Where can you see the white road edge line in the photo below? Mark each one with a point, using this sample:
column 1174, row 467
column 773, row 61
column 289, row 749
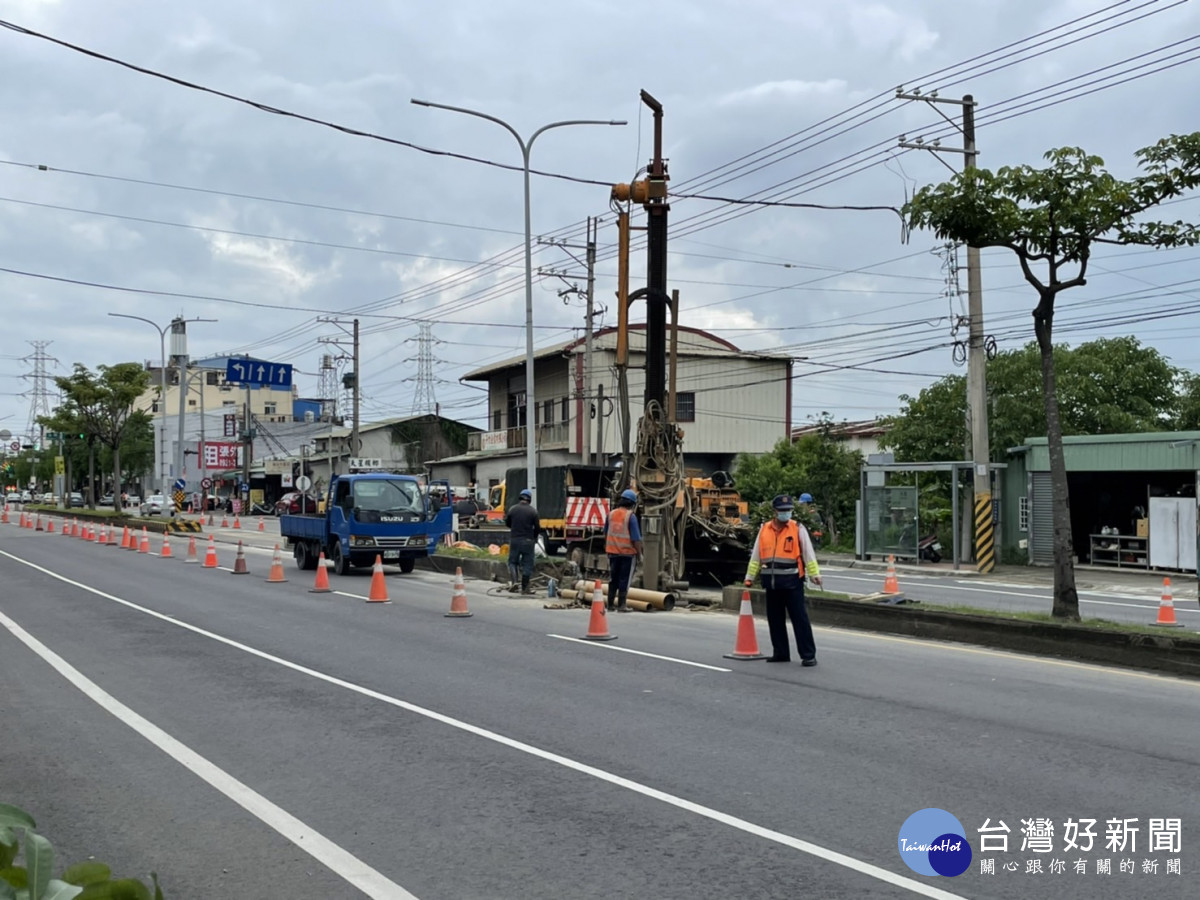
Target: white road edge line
column 778, row 837
column 682, row 662
column 341, row 862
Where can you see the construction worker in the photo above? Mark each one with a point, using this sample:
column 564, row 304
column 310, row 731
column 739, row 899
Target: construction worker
column 623, row 544
column 523, row 523
column 783, row 554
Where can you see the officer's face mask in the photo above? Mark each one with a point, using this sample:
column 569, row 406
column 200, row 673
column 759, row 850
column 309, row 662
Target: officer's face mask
column 784, row 515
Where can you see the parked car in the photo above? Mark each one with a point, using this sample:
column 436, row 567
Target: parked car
column 290, row 503
column 153, row 505
column 13, row 497
column 107, row 500
column 26, row 497
column 132, row 500
column 75, row 499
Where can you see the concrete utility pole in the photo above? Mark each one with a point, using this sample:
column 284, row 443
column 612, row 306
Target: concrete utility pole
column 985, row 537
column 355, row 442
column 179, row 355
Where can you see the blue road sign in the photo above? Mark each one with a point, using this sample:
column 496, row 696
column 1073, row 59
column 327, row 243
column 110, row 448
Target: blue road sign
column 180, row 484
column 258, row 373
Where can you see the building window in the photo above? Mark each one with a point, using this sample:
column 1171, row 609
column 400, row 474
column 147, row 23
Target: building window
column 516, row 410
column 268, row 409
column 1023, row 513
column 548, row 412
column 191, row 403
column 212, row 378
column 685, row 407
column 566, row 409
column 154, row 407
column 227, row 403
column 497, row 416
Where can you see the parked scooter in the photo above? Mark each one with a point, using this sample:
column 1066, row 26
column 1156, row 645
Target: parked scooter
column 929, row 548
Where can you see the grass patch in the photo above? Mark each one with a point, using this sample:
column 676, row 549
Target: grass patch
column 1047, row 619
column 464, row 553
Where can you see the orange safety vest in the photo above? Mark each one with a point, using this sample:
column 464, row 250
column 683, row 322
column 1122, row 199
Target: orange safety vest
column 619, row 543
column 779, row 550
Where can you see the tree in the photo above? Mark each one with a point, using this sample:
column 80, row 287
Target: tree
column 818, row 464
column 1050, row 218
column 1106, row 386
column 104, row 404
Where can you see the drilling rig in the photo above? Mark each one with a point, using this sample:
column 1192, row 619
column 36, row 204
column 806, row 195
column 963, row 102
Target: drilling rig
column 680, row 516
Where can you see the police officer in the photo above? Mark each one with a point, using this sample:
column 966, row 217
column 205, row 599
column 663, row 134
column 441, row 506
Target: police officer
column 783, row 554
column 623, row 544
column 523, row 526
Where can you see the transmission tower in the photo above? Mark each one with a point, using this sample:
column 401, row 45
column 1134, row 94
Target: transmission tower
column 39, row 395
column 330, row 387
column 424, row 398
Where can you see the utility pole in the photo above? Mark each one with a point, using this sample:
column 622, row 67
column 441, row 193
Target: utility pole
column 985, row 536
column 179, row 355
column 351, row 380
column 584, row 384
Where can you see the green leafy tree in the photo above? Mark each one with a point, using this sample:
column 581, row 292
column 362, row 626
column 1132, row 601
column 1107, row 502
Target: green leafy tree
column 818, row 464
column 104, row 402
column 1106, row 386
column 1050, row 219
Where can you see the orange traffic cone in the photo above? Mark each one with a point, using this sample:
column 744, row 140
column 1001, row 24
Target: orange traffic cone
column 322, row 583
column 746, row 644
column 4, row 515
column 890, row 584
column 191, row 551
column 378, row 593
column 165, row 553
column 261, row 526
column 1166, row 607
column 598, row 625
column 49, row 525
column 210, row 520
column 239, row 564
column 237, row 522
column 39, row 523
column 458, row 600
column 112, row 537
column 224, row 521
column 276, row 575
column 210, row 557
column 93, row 534
column 144, row 545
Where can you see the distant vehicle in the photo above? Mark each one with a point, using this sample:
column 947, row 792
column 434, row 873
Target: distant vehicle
column 49, row 497
column 75, row 499
column 132, row 500
column 26, row 497
column 13, row 497
column 290, row 504
column 107, row 500
column 153, row 505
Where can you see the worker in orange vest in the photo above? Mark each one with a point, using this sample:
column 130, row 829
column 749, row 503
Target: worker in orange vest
column 623, row 544
column 783, row 554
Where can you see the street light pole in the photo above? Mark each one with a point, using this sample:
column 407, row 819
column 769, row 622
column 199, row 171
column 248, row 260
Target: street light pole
column 160, row 436
column 526, row 147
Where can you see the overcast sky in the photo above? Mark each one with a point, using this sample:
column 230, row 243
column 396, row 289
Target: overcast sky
column 276, row 222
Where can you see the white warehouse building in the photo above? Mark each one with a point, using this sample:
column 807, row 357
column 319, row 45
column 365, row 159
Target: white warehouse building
column 728, row 401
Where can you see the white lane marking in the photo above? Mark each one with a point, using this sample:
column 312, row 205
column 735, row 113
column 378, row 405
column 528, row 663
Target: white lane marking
column 778, row 837
column 606, row 646
column 344, row 864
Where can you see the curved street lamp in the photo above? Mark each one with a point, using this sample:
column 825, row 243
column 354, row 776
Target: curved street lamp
column 526, row 146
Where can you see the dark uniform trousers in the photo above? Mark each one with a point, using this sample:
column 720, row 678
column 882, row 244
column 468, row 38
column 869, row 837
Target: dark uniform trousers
column 784, row 603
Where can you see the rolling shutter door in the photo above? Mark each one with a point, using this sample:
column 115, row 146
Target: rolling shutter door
column 1041, row 519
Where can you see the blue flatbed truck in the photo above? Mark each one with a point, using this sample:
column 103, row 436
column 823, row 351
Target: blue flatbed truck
column 368, row 514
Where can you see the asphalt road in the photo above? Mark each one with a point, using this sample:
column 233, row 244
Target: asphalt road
column 247, row 739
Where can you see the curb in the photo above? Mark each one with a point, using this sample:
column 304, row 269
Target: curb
column 1173, row 654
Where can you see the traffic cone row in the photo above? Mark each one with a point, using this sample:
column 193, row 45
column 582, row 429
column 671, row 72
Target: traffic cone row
column 378, row 592
column 458, row 600
column 1166, row 607
column 745, row 646
column 890, row 584
column 598, row 624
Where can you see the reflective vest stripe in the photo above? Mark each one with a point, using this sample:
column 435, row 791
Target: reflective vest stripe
column 619, row 543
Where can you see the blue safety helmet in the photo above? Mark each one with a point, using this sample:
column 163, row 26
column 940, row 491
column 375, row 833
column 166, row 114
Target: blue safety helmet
column 526, row 494
column 629, row 495
column 783, row 501
column 806, row 498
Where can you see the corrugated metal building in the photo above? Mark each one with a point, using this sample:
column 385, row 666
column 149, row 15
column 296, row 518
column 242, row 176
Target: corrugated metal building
column 1133, row 499
column 728, row 401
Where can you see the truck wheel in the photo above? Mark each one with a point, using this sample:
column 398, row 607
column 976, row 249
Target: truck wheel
column 304, row 558
column 407, row 564
column 341, row 563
